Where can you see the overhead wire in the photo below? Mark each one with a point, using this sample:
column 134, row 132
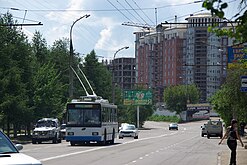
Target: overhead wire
column 142, row 11
column 136, row 12
column 129, row 12
column 119, row 10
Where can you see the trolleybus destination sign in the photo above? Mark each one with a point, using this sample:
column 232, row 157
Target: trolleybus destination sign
column 137, row 97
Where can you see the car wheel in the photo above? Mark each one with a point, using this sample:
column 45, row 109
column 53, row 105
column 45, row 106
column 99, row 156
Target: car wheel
column 72, row 143
column 34, row 141
column 208, row 136
column 54, row 140
column 113, row 137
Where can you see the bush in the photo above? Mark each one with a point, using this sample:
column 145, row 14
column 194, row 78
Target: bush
column 164, row 118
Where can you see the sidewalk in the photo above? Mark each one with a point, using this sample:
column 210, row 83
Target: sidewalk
column 224, row 156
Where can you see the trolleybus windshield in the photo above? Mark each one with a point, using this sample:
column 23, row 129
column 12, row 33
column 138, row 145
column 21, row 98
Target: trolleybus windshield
column 84, row 115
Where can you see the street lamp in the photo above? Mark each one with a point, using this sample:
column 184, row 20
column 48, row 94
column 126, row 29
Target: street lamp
column 71, row 57
column 113, row 73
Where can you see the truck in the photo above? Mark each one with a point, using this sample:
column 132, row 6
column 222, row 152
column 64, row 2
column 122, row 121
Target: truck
column 214, row 128
column 46, row 129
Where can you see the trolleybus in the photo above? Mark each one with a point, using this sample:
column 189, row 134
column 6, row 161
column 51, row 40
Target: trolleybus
column 91, row 119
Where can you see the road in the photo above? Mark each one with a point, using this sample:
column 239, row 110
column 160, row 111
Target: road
column 156, row 145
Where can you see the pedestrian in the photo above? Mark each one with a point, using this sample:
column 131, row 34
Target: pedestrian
column 242, row 126
column 232, row 137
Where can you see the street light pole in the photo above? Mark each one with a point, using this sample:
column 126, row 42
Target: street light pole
column 113, row 73
column 71, row 86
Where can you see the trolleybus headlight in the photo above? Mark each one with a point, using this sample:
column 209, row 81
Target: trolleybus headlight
column 95, row 133
column 70, row 133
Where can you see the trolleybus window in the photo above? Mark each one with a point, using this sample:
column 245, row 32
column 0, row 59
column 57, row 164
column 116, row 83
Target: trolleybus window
column 81, row 115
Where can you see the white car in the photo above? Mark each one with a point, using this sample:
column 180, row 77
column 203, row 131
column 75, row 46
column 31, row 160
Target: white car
column 173, row 126
column 9, row 153
column 128, row 130
column 204, row 130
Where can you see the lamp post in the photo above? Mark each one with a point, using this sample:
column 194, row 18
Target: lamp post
column 113, row 73
column 71, row 58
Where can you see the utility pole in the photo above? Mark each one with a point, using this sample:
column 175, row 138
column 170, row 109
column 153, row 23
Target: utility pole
column 71, row 55
column 113, row 73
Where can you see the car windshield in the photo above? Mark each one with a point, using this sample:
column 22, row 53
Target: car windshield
column 129, row 127
column 173, row 124
column 63, row 126
column 5, row 145
column 46, row 123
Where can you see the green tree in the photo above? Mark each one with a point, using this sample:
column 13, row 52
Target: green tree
column 48, row 92
column 59, row 55
column 229, row 101
column 39, row 47
column 128, row 114
column 177, row 97
column 14, row 74
column 98, row 75
column 217, row 8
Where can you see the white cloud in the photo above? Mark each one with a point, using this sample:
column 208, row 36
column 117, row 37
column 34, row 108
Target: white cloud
column 70, row 13
column 105, row 36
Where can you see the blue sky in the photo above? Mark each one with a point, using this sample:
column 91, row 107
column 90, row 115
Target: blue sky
column 103, row 30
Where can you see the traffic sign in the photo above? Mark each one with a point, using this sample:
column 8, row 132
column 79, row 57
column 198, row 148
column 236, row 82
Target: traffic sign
column 137, row 97
column 243, row 83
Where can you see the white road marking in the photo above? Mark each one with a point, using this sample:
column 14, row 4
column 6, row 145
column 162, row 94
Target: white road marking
column 99, row 148
column 173, row 145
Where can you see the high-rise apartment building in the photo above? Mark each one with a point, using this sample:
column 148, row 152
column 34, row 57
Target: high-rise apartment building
column 178, row 54
column 205, row 56
column 159, row 57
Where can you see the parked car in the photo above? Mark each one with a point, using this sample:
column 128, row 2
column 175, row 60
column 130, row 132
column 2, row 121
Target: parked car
column 9, row 153
column 173, row 126
column 203, row 130
column 128, row 130
column 63, row 131
column 46, row 129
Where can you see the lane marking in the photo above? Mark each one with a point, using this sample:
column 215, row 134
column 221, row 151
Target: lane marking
column 167, row 147
column 99, row 148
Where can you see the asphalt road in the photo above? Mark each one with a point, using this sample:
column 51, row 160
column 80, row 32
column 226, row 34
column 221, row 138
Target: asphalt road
column 156, row 146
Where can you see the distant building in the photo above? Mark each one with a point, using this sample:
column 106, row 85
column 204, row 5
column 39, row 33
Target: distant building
column 205, row 58
column 176, row 54
column 124, row 72
column 159, row 57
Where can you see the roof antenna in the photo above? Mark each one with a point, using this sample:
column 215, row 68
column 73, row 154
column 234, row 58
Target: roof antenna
column 80, row 81
column 87, row 80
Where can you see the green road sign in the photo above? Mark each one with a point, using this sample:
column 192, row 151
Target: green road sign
column 137, row 97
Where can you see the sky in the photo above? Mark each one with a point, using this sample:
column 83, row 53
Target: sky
column 102, row 31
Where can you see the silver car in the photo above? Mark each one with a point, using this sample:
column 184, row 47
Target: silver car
column 128, row 130
column 9, row 153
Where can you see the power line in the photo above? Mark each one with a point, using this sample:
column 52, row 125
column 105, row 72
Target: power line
column 136, row 12
column 119, row 10
column 129, row 12
column 106, row 10
column 142, row 11
column 30, row 24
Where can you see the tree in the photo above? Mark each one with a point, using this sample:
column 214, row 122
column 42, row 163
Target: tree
column 14, row 74
column 239, row 32
column 229, row 101
column 59, row 55
column 98, row 75
column 39, row 47
column 177, row 97
column 48, row 92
